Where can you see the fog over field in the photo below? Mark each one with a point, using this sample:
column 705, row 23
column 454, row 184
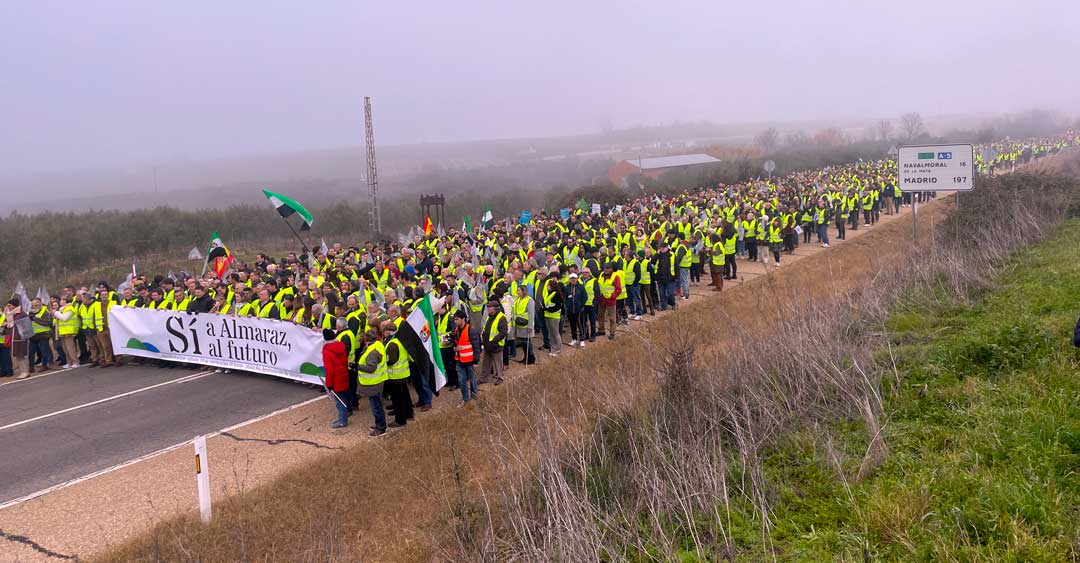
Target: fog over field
column 102, row 97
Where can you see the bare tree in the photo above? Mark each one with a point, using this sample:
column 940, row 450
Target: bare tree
column 911, row 125
column 768, row 139
column 831, row 137
column 884, row 129
column 797, row 138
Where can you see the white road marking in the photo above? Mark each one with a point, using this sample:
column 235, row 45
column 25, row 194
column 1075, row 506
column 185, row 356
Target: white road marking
column 40, row 376
column 191, row 377
column 150, row 455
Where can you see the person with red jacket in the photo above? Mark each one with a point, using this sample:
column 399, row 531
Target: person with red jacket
column 608, row 289
column 336, row 363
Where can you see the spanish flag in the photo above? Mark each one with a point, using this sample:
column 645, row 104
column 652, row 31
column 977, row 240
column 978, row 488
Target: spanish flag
column 428, row 226
column 218, row 257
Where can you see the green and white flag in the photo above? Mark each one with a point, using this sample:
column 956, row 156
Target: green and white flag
column 467, row 225
column 419, row 334
column 287, row 206
column 486, row 218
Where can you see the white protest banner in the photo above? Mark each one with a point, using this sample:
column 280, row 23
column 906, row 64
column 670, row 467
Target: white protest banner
column 268, row 346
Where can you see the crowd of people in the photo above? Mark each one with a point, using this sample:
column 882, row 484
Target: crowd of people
column 558, row 280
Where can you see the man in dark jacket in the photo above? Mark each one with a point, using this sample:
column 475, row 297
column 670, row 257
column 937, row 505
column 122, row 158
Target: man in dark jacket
column 202, row 303
column 574, row 302
column 424, row 264
column 665, row 276
column 1076, row 334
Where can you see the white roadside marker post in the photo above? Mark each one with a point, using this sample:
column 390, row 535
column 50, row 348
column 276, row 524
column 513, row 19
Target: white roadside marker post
column 202, row 478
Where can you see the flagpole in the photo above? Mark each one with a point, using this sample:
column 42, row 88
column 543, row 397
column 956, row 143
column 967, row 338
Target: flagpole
column 297, row 235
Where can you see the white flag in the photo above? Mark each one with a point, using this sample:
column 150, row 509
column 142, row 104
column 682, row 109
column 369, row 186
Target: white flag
column 20, row 292
column 323, row 248
column 194, row 254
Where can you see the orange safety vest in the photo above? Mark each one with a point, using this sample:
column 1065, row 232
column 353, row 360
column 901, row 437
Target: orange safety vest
column 463, row 352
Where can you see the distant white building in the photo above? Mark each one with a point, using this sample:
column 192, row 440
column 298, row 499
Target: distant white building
column 653, row 167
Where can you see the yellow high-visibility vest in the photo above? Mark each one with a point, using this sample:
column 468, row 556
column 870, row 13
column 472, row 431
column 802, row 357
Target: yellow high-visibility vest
column 379, row 375
column 69, row 327
column 400, row 368
column 607, row 286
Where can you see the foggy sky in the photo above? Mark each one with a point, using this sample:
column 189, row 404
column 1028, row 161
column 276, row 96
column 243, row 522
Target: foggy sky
column 114, row 83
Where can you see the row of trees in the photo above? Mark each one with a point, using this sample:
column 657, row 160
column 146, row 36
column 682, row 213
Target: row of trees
column 910, row 127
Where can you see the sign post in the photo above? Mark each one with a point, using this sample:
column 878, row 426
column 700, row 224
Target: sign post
column 934, row 168
column 202, row 478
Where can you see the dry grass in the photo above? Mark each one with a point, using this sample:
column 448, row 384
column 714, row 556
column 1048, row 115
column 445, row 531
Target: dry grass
column 701, row 396
column 660, row 481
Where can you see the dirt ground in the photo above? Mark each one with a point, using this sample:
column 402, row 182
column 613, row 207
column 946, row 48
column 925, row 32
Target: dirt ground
column 406, row 504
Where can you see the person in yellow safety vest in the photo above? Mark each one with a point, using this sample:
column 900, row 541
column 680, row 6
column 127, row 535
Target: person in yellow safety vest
column 631, row 281
column 646, row 288
column 717, row 261
column 807, row 219
column 775, row 240
column 371, row 375
column 107, row 299
column 875, row 210
column 493, row 338
column 840, row 218
column 622, row 315
column 267, row 308
column 445, row 325
column 241, row 307
column 381, row 275
column 591, row 304
column 89, row 322
column 347, row 336
column 552, row 304
column 852, row 202
column 523, row 327
column 321, row 319
column 466, row 349
column 67, row 328
column 157, row 301
column 821, row 222
column 867, row 206
column 41, row 321
column 610, row 285
column 729, row 236
column 397, row 376
column 684, row 256
column 695, row 263
column 286, row 308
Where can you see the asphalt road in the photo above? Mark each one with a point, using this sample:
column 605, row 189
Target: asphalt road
column 62, row 426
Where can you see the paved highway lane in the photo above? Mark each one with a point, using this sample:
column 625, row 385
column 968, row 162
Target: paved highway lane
column 47, row 393
column 67, row 425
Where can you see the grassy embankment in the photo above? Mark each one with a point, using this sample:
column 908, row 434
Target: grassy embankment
column 983, row 430
column 933, row 416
